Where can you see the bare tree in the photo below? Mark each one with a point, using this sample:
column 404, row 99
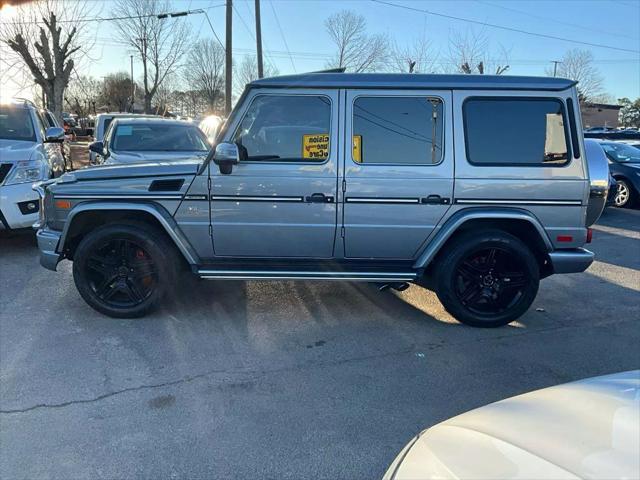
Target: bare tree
column 417, row 57
column 116, row 91
column 469, row 53
column 160, row 42
column 82, row 94
column 47, row 38
column 247, row 72
column 578, row 65
column 204, row 72
column 357, row 51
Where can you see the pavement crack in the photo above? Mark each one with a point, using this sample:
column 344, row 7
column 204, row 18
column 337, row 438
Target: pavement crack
column 187, row 379
column 190, row 378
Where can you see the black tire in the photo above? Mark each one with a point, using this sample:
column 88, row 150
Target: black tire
column 123, row 270
column 484, row 289
column 626, row 195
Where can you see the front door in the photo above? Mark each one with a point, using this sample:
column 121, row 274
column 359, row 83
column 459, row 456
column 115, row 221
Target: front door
column 280, row 200
column 398, row 174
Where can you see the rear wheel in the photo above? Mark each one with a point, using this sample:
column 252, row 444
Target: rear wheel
column 123, row 270
column 625, row 195
column 487, row 279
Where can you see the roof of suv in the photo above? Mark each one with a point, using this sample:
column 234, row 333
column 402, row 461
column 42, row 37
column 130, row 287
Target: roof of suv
column 149, row 121
column 413, row 81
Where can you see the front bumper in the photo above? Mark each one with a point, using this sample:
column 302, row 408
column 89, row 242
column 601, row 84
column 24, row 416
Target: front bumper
column 47, row 244
column 12, row 195
column 573, row 260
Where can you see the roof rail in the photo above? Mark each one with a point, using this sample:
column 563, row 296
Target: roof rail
column 26, row 101
column 331, row 70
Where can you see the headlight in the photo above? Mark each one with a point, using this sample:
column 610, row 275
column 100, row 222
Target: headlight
column 27, row 172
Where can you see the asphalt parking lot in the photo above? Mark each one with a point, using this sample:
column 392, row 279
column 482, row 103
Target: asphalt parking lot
column 281, row 379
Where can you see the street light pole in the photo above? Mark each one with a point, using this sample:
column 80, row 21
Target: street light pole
column 133, row 90
column 555, row 66
column 259, row 40
column 228, row 60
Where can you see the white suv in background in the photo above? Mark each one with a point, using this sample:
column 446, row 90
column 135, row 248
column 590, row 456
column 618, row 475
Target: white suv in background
column 29, row 153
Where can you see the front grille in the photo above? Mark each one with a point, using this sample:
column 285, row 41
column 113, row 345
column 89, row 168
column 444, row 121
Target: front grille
column 4, row 170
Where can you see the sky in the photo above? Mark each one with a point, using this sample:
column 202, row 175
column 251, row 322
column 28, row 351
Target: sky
column 295, row 39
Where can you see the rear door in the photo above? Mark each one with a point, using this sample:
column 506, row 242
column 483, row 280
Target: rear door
column 398, row 170
column 280, row 200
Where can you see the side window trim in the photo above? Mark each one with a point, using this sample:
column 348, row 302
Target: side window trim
column 272, row 162
column 426, row 97
column 558, row 100
column 574, row 130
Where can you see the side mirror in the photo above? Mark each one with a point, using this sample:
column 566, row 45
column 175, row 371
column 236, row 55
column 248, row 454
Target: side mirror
column 54, row 135
column 97, row 147
column 226, row 156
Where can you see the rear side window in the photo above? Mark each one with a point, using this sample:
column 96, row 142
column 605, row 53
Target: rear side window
column 515, row 131
column 285, row 128
column 397, row 130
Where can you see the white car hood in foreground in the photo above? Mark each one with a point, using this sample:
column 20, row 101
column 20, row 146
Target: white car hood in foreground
column 586, row 429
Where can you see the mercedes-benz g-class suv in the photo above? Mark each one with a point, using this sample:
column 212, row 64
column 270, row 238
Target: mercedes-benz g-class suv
column 474, row 186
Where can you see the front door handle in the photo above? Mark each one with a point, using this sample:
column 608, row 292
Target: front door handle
column 318, row 198
column 434, row 200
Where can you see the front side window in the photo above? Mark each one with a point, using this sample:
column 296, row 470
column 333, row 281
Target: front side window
column 397, row 130
column 158, row 138
column 515, row 131
column 16, row 124
column 285, row 128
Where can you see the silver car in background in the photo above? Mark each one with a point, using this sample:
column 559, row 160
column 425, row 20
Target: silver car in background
column 102, row 123
column 136, row 140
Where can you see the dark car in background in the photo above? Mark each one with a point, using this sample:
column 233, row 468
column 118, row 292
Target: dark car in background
column 624, row 166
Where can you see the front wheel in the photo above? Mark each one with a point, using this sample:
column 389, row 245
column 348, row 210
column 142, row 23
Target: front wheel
column 487, row 279
column 123, row 270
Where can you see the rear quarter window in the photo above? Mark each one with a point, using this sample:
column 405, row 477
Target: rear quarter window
column 509, row 131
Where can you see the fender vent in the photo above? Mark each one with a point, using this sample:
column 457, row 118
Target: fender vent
column 166, row 185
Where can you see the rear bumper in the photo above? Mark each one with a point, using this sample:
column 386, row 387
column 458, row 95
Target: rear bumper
column 47, row 244
column 573, row 260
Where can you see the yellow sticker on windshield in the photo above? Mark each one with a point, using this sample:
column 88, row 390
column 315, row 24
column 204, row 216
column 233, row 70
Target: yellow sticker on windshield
column 315, row 146
column 357, row 148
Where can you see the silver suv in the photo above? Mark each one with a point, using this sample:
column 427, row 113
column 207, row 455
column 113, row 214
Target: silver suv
column 30, row 151
column 474, row 186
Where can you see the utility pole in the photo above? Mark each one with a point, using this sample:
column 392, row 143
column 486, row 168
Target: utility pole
column 555, row 66
column 133, row 89
column 228, row 63
column 259, row 40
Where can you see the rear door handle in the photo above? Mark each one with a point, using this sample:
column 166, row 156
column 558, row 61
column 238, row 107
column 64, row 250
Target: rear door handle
column 318, row 198
column 434, row 200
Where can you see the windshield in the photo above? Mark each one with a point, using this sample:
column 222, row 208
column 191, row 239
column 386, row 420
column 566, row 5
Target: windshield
column 16, row 124
column 159, row 138
column 621, row 152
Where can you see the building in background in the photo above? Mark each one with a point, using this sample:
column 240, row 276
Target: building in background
column 600, row 115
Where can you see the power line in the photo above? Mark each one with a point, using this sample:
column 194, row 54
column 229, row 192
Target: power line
column 502, row 27
column 560, row 22
column 109, row 19
column 282, row 35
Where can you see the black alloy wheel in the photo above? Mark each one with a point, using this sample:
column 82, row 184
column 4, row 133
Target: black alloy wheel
column 123, row 270
column 490, row 281
column 121, row 273
column 487, row 278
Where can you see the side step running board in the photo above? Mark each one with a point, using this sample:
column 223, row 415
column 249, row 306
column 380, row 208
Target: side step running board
column 307, row 275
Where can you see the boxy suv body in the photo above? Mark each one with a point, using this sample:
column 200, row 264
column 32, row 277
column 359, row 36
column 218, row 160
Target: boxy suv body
column 30, row 151
column 474, row 186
